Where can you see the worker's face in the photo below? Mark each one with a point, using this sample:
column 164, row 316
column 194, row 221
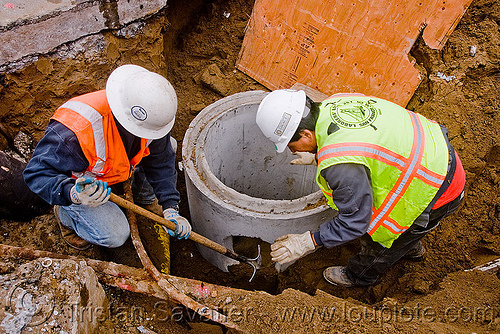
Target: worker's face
column 306, row 143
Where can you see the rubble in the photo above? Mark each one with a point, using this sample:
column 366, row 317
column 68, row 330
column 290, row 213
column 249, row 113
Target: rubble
column 51, row 295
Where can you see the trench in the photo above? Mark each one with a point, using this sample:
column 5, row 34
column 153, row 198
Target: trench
column 198, row 36
column 405, row 280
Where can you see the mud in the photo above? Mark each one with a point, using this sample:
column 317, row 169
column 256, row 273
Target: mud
column 196, row 46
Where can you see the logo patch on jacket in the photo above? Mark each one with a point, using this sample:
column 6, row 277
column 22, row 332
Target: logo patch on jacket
column 353, row 114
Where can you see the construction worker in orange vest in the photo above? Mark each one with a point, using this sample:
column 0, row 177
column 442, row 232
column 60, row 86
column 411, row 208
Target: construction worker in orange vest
column 95, row 141
column 391, row 174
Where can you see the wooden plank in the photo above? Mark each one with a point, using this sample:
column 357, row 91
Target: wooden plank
column 343, row 45
column 312, row 93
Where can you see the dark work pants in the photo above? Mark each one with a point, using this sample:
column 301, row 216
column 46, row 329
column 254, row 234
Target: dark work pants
column 374, row 259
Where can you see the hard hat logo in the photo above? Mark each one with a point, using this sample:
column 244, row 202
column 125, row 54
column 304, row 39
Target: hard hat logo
column 285, row 119
column 139, row 113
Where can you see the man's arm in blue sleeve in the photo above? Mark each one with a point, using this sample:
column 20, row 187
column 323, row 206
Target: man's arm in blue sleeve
column 159, row 167
column 57, row 154
column 352, row 194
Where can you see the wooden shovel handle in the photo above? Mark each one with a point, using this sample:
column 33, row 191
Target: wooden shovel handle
column 162, row 221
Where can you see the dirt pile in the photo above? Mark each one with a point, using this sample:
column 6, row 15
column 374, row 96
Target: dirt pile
column 199, row 44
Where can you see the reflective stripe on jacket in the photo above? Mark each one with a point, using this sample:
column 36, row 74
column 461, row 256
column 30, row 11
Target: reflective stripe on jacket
column 406, row 153
column 89, row 117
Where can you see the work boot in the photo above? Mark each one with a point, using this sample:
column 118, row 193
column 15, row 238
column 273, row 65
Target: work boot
column 70, row 236
column 154, row 207
column 337, row 275
column 416, row 253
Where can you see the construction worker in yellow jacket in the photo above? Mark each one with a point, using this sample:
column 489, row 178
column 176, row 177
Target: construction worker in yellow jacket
column 391, row 174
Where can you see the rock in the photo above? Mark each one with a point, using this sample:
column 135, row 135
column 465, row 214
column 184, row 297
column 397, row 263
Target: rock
column 388, row 302
column 24, row 144
column 42, row 26
column 213, row 78
column 421, row 286
column 195, row 109
column 52, row 295
column 45, row 66
column 17, row 201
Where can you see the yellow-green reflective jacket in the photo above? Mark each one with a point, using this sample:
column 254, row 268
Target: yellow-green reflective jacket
column 406, row 154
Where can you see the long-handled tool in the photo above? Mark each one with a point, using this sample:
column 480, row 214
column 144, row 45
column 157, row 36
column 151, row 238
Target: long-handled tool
column 255, row 262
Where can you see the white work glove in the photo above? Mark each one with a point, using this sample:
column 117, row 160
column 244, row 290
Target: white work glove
column 305, row 158
column 292, row 247
column 183, row 229
column 90, row 192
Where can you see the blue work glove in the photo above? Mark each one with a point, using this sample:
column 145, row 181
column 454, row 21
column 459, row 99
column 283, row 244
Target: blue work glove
column 90, row 192
column 183, row 229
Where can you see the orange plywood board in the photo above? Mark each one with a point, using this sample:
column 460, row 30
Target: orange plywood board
column 344, row 46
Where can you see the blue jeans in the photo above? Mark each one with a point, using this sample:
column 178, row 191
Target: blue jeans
column 142, row 190
column 105, row 225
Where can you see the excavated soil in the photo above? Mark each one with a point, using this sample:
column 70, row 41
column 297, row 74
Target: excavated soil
column 460, row 89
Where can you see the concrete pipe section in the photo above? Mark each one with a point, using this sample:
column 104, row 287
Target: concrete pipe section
column 238, row 186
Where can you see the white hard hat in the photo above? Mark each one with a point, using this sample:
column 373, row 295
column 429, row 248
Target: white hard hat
column 143, row 102
column 279, row 115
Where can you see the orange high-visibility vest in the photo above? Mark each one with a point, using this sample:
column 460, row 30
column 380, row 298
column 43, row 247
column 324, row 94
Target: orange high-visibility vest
column 89, row 117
